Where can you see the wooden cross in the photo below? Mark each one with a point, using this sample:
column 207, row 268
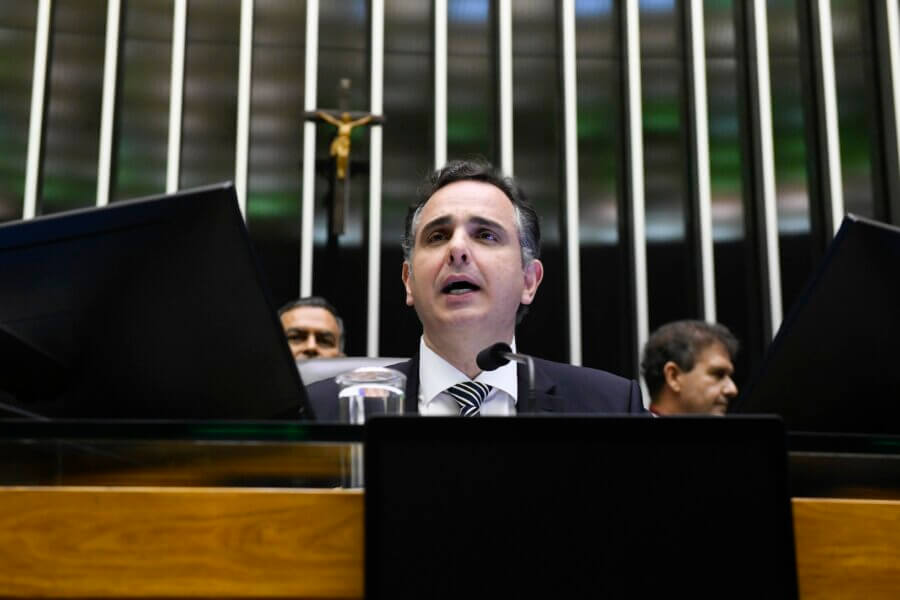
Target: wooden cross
column 344, row 121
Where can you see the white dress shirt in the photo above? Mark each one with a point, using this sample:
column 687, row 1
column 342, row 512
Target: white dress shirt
column 436, row 375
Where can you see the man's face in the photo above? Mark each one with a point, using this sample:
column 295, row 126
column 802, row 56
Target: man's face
column 707, row 387
column 466, row 266
column 311, row 332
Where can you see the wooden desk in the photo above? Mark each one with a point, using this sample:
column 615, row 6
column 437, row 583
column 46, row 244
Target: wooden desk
column 133, row 542
column 847, row 548
column 113, row 542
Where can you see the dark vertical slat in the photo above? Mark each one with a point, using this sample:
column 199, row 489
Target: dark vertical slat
column 537, row 142
column 408, row 152
column 752, row 178
column 814, row 128
column 629, row 325
column 885, row 155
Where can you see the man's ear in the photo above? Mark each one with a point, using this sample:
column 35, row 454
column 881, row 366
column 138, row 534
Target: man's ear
column 671, row 373
column 405, row 275
column 534, row 273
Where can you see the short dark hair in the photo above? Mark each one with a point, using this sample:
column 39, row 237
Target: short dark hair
column 527, row 223
column 681, row 342
column 317, row 302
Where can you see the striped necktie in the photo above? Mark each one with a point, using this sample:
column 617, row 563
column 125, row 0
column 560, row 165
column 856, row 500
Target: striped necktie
column 469, row 395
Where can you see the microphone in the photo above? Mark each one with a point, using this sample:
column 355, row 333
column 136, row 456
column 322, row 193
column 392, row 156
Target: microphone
column 499, row 354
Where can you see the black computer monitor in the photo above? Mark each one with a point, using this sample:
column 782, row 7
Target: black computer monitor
column 149, row 308
column 833, row 365
column 569, row 507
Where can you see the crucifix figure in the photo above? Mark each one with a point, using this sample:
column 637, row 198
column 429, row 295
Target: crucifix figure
column 344, row 122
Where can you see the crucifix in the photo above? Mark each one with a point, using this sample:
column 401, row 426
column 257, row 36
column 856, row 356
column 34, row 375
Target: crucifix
column 344, row 121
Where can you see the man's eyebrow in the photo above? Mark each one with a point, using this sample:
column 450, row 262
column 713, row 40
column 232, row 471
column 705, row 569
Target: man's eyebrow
column 487, row 222
column 308, row 329
column 447, row 220
column 436, row 222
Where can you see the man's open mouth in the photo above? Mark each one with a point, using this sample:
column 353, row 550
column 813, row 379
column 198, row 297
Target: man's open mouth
column 459, row 287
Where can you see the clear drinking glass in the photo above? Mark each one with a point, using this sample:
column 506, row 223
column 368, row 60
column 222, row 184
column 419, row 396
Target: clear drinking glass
column 369, row 391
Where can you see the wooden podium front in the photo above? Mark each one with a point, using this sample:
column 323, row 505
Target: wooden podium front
column 155, row 542
column 137, row 517
column 96, row 542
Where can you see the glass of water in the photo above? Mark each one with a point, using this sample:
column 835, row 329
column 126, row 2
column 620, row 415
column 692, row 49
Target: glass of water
column 369, row 391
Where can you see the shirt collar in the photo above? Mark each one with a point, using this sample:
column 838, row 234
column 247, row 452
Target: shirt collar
column 441, row 374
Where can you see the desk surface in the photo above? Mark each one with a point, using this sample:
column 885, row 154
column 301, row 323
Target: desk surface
column 303, row 455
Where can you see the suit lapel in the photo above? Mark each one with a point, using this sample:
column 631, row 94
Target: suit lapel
column 411, row 367
column 547, row 394
column 545, row 399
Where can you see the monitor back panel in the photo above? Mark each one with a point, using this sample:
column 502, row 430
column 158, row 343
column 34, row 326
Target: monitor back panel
column 832, row 367
column 152, row 308
column 593, row 507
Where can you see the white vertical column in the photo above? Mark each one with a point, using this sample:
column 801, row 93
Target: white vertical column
column 636, row 171
column 38, row 97
column 309, row 147
column 760, row 42
column 107, row 111
column 440, row 83
column 701, row 157
column 375, row 165
column 893, row 29
column 829, row 104
column 176, row 95
column 245, row 77
column 570, row 133
column 506, row 77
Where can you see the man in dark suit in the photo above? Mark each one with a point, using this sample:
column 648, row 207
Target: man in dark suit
column 470, row 270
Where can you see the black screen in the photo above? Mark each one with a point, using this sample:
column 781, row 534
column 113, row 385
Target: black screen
column 832, row 367
column 564, row 507
column 151, row 308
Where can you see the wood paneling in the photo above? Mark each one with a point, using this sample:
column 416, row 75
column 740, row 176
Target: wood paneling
column 105, row 542
column 847, row 548
column 177, row 542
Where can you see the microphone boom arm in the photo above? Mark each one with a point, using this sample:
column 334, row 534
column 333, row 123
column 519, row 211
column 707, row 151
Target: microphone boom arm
column 523, row 359
column 498, row 355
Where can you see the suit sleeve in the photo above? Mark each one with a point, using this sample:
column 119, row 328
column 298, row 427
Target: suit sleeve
column 322, row 397
column 635, row 398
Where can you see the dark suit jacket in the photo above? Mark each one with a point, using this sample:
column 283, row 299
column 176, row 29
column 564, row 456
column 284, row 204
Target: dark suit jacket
column 558, row 388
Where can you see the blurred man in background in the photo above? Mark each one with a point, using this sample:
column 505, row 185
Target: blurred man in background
column 313, row 328
column 688, row 367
